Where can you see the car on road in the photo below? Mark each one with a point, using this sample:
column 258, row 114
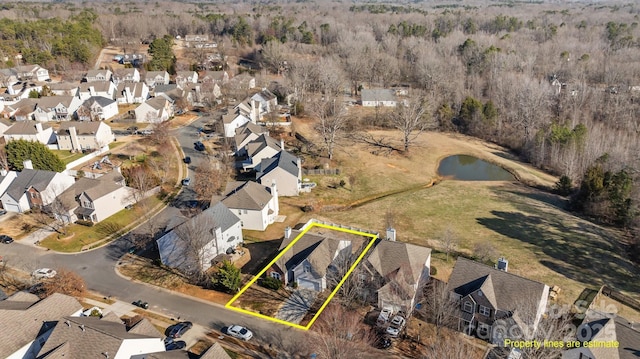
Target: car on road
column 176, row 331
column 198, row 146
column 187, row 160
column 141, row 304
column 177, row 345
column 383, row 342
column 186, row 181
column 43, row 273
column 397, row 323
column 5, row 239
column 239, row 332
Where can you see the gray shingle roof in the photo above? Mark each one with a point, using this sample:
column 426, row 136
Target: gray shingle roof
column 101, row 100
column 282, row 159
column 263, row 141
column 605, row 327
column 82, row 127
column 86, row 337
column 93, row 188
column 510, row 291
column 24, row 128
column 216, row 351
column 21, row 326
column 97, row 86
column 390, row 257
column 26, row 178
column 247, row 195
column 378, row 95
column 53, row 101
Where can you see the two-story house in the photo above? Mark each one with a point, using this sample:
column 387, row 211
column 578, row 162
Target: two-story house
column 256, row 205
column 284, row 169
column 30, row 131
column 81, row 135
column 93, row 199
column 125, row 75
column 153, row 78
column 97, row 88
column 261, row 148
column 198, row 240
column 99, row 75
column 494, row 304
column 184, row 77
column 97, row 108
column 132, row 92
column 155, row 110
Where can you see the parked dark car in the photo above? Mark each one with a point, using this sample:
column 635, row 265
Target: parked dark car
column 187, row 160
column 383, row 342
column 180, row 344
column 6, row 239
column 177, row 330
column 141, row 304
column 3, row 212
column 199, row 146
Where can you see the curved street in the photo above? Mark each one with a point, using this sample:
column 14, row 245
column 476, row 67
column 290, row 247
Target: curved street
column 97, row 267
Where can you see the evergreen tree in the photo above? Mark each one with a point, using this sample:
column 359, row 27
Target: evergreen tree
column 41, row 157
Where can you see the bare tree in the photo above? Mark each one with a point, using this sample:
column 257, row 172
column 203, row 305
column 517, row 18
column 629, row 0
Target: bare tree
column 140, row 178
column 273, row 55
column 65, row 282
column 4, row 162
column 484, row 251
column 411, row 118
column 438, row 307
column 341, row 333
column 332, row 117
column 160, row 133
column 198, row 241
column 451, row 345
column 210, row 179
column 450, row 240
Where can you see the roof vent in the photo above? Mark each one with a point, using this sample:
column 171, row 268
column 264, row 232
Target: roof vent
column 68, row 323
column 106, row 355
column 82, row 327
column 503, row 264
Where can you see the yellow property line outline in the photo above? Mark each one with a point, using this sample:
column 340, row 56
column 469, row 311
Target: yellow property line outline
column 333, row 293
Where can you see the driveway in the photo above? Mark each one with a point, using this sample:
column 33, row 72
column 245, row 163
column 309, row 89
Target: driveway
column 297, row 305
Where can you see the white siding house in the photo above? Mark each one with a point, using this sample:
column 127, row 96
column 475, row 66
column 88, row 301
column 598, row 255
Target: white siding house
column 80, row 135
column 255, row 205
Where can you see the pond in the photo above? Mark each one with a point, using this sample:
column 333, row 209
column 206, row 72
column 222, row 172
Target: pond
column 469, row 168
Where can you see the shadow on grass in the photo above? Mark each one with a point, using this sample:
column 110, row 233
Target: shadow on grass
column 261, row 254
column 580, row 251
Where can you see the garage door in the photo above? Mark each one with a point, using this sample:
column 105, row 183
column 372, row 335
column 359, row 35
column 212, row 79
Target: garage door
column 307, row 284
column 11, row 207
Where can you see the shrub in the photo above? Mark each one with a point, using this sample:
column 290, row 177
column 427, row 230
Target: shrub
column 564, row 186
column 271, row 283
column 434, row 270
column 85, row 223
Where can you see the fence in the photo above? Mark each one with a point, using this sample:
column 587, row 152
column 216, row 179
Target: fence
column 321, row 171
column 313, row 220
column 86, row 158
column 622, row 298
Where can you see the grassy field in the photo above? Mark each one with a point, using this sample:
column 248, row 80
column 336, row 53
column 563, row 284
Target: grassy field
column 67, row 156
column 528, row 226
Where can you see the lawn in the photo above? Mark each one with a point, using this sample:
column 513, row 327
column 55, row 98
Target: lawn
column 530, row 227
column 67, row 156
column 78, row 236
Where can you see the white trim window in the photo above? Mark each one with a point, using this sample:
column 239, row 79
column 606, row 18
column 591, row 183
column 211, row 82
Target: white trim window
column 467, row 307
column 484, row 311
column 276, row 275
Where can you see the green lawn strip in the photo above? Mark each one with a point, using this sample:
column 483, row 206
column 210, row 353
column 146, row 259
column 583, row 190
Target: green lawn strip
column 541, row 241
column 67, row 156
column 78, row 236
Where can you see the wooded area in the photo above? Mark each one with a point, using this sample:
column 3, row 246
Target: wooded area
column 558, row 83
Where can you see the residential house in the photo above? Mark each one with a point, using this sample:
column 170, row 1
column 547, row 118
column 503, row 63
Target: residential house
column 243, row 81
column 196, row 38
column 179, row 98
column 399, row 270
column 132, row 92
column 232, row 121
column 215, row 351
column 284, row 169
column 34, row 189
column 100, row 75
column 153, row 78
column 93, row 200
column 80, row 135
column 245, row 134
column 268, row 101
column 23, row 73
column 218, row 77
column 184, row 77
column 256, row 205
column 64, row 88
column 6, row 177
column 106, row 337
column 4, row 123
column 26, row 322
column 495, row 304
column 56, row 108
column 98, row 88
column 126, row 75
column 30, row 131
column 311, row 259
column 619, row 338
column 198, row 240
column 24, row 89
column 157, row 109
column 378, row 98
column 252, row 109
column 255, row 151
column 97, row 108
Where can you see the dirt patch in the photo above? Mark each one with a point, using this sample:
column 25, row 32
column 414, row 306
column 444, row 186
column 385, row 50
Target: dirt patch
column 17, row 225
column 262, row 300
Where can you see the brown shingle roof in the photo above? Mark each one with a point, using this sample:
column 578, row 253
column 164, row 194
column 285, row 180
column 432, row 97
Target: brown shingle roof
column 216, row 351
column 24, row 128
column 82, row 127
column 389, row 257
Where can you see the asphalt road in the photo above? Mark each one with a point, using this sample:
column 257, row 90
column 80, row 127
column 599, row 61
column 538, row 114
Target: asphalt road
column 97, row 267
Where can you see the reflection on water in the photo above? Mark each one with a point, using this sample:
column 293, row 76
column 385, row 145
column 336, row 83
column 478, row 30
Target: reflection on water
column 469, row 168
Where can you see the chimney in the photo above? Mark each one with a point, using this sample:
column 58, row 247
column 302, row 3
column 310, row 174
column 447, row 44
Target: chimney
column 503, row 264
column 287, row 232
column 38, row 127
column 27, row 164
column 106, row 355
column 73, row 134
column 282, row 144
column 3, row 172
column 391, row 234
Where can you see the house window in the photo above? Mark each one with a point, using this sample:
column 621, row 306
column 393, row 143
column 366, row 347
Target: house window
column 231, row 239
column 483, row 330
column 468, row 307
column 307, row 268
column 275, row 275
column 484, row 311
column 34, row 195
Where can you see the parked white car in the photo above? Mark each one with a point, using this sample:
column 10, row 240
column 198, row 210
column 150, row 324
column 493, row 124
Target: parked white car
column 239, row 332
column 397, row 323
column 384, row 316
column 44, row 273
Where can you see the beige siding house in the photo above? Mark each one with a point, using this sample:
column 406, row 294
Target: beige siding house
column 155, row 110
column 79, row 135
column 255, row 204
column 284, row 169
